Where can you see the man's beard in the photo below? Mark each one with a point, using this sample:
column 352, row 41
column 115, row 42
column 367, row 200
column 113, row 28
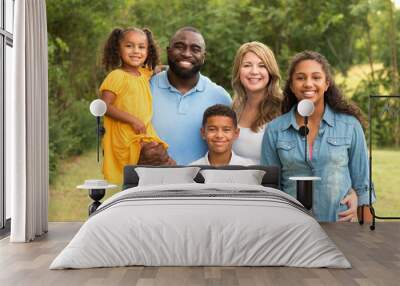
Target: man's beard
column 184, row 73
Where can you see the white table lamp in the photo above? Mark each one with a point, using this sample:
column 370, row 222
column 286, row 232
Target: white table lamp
column 98, row 108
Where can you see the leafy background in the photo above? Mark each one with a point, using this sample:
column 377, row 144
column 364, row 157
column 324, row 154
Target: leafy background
column 359, row 38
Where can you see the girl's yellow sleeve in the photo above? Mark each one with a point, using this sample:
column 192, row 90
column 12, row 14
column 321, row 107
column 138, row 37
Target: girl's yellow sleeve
column 113, row 82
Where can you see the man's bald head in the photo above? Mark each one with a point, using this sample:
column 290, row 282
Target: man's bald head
column 188, row 29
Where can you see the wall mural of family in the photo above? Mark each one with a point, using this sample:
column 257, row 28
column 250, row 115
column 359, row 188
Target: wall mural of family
column 174, row 115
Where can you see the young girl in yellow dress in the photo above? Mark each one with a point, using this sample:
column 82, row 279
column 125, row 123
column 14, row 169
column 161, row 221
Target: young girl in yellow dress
column 132, row 55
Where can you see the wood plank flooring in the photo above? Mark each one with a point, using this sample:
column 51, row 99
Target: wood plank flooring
column 374, row 255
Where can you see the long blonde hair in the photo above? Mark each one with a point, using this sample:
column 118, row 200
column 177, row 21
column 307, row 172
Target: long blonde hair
column 270, row 106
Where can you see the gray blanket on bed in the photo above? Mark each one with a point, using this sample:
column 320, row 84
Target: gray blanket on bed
column 201, row 224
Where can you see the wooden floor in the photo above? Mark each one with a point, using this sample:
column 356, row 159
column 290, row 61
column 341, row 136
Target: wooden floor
column 374, row 255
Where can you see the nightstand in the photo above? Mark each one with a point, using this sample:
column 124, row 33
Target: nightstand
column 97, row 190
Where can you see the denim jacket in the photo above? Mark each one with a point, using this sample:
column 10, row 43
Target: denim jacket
column 339, row 158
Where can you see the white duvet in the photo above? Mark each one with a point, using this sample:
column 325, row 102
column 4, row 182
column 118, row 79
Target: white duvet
column 200, row 224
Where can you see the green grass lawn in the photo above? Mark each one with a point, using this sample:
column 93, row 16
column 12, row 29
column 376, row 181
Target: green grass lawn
column 354, row 76
column 70, row 204
column 386, row 178
column 67, row 203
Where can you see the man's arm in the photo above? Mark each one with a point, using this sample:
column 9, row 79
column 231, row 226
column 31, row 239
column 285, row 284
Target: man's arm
column 154, row 154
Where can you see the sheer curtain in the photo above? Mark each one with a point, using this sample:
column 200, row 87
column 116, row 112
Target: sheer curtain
column 27, row 120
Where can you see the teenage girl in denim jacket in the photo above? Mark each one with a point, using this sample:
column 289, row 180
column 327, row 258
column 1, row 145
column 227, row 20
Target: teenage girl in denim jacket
column 337, row 150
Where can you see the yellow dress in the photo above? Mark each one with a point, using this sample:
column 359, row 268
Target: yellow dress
column 121, row 144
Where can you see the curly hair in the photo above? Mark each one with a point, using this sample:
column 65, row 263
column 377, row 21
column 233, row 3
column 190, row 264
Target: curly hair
column 111, row 57
column 270, row 106
column 332, row 96
column 153, row 58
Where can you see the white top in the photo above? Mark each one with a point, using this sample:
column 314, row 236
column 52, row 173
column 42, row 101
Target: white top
column 235, row 160
column 248, row 144
column 96, row 185
column 305, row 178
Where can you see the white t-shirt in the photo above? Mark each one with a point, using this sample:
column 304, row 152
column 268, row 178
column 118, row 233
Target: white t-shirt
column 235, row 160
column 248, row 145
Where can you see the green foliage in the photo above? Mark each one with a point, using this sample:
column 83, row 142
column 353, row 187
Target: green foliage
column 286, row 26
column 76, row 30
column 70, row 132
column 346, row 32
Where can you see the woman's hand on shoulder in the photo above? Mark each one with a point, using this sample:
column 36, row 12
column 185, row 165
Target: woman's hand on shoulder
column 160, row 68
column 351, row 201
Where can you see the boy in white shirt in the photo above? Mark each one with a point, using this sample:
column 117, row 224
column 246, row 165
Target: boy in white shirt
column 220, row 130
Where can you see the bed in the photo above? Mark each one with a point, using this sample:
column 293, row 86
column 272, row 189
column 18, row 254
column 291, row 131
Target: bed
column 218, row 218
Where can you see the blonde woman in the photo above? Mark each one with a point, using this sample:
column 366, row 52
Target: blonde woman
column 257, row 96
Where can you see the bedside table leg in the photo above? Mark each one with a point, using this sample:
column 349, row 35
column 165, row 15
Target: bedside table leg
column 93, row 207
column 96, row 195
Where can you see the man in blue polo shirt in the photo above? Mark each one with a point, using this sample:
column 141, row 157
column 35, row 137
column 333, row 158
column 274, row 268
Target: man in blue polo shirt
column 180, row 96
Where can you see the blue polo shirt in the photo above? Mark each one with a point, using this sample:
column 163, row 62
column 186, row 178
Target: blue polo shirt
column 177, row 117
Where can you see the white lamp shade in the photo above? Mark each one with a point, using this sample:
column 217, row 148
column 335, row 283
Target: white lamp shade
column 98, row 107
column 305, row 107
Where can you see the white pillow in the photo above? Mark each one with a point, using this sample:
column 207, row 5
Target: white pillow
column 249, row 177
column 164, row 176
